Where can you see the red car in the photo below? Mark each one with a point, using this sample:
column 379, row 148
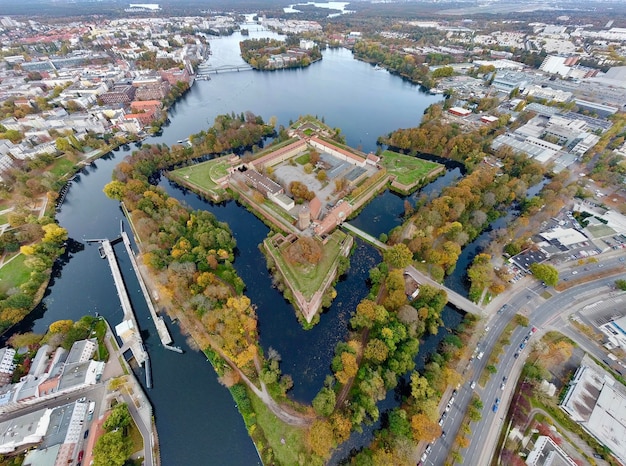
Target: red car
column 80, row 456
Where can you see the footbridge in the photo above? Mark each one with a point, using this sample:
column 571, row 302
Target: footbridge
column 364, row 236
column 454, row 298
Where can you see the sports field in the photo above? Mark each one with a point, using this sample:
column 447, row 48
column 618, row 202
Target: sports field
column 406, row 168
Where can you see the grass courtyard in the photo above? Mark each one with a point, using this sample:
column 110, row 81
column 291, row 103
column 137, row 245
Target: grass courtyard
column 308, row 278
column 204, row 175
column 407, row 169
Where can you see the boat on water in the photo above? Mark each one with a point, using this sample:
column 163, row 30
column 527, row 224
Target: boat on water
column 378, row 68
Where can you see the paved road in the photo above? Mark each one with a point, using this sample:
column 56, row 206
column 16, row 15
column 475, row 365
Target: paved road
column 526, row 299
column 541, row 316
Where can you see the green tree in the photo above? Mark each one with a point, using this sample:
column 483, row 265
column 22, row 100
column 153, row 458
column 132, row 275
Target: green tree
column 546, row 273
column 119, row 418
column 399, row 256
column 324, row 402
column 621, row 284
column 112, row 449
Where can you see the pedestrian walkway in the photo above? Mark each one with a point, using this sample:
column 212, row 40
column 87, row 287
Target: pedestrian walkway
column 364, row 236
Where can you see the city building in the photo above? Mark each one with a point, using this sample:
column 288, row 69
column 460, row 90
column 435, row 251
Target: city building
column 120, row 94
column 597, row 401
column 175, row 75
column 7, row 365
column 547, row 453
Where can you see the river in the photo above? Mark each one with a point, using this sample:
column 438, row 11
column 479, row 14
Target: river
column 196, row 419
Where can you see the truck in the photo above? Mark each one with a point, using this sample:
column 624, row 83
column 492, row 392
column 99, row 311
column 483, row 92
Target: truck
column 90, row 410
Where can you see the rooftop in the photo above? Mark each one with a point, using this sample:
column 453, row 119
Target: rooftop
column 598, row 402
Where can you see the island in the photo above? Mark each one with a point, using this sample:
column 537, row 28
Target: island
column 304, row 188
column 273, row 54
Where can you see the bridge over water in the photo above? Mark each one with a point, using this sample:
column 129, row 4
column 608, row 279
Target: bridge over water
column 364, row 236
column 454, row 298
column 204, row 70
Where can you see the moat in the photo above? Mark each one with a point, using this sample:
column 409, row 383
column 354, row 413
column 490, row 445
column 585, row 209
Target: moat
column 338, row 88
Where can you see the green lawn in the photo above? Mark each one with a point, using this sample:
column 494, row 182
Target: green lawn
column 407, row 169
column 286, row 441
column 60, row 167
column 4, row 218
column 303, row 159
column 308, row 278
column 135, row 437
column 203, row 175
column 14, row 273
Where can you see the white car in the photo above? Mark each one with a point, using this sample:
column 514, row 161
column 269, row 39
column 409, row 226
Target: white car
column 473, row 384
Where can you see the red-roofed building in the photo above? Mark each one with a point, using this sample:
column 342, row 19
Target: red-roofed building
column 144, row 118
column 335, row 217
column 137, row 105
column 315, row 206
column 174, row 75
column 458, row 111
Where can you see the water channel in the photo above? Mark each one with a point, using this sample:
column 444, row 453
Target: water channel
column 196, row 419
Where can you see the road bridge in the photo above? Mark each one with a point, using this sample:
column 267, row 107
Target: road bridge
column 204, row 70
column 454, row 298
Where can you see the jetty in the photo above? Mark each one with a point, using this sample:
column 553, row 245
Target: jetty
column 127, row 330
column 159, row 323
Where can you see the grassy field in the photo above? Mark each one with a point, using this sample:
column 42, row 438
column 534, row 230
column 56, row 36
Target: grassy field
column 203, row 175
column 4, row 218
column 308, row 278
column 14, row 273
column 60, row 167
column 407, row 169
column 286, row 441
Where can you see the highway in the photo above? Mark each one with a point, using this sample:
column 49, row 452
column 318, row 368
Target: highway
column 542, row 313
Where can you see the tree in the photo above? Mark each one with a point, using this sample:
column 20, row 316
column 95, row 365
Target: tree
column 54, row 234
column 324, row 402
column 349, row 367
column 119, row 418
column 61, row 326
column 424, row 428
column 115, row 190
column 112, row 449
column 321, row 438
column 376, row 351
column 399, row 256
column 546, row 273
column 620, row 284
